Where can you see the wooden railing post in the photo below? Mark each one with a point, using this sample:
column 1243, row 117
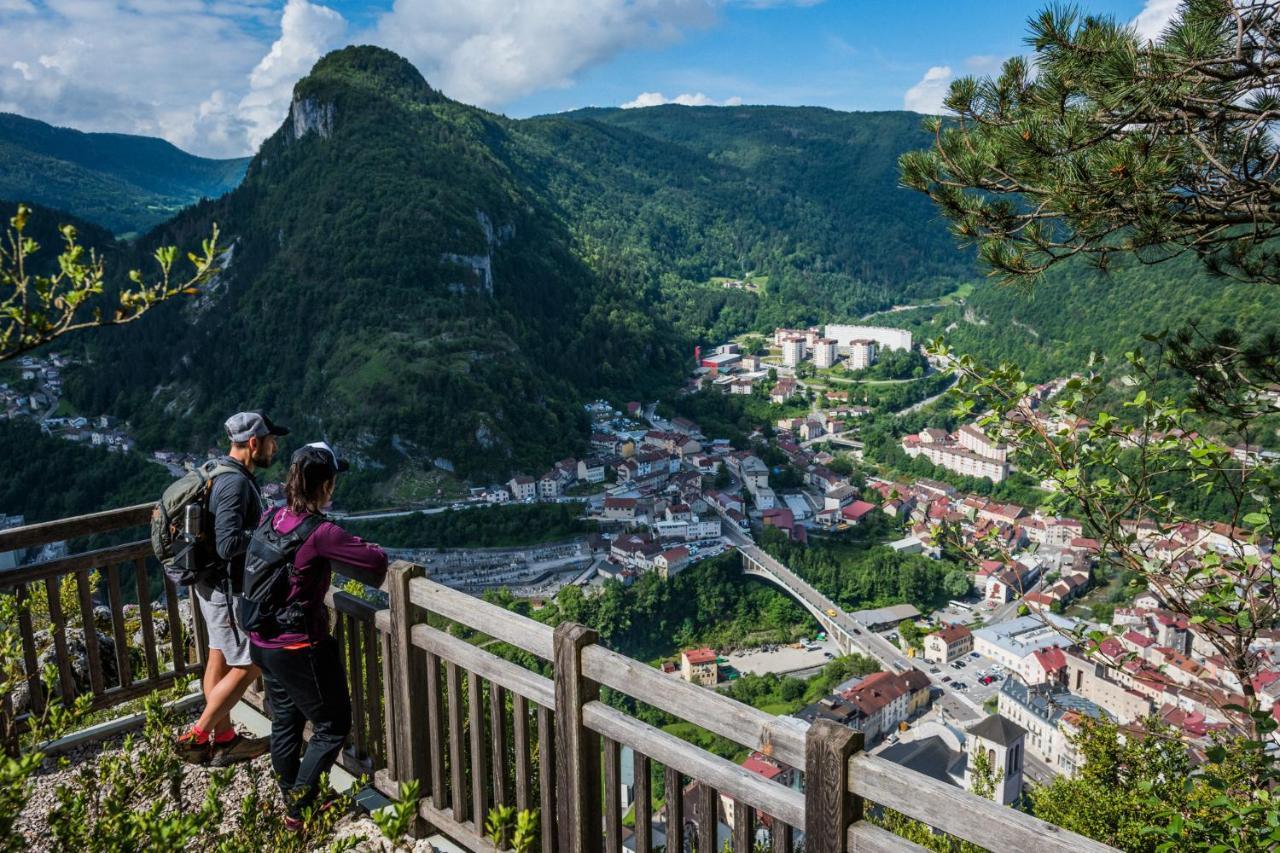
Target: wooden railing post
column 829, row 807
column 578, row 794
column 406, row 707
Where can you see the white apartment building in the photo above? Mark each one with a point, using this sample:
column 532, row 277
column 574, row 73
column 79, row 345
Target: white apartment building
column 962, row 461
column 793, row 351
column 972, row 438
column 887, row 338
column 825, row 353
column 862, row 354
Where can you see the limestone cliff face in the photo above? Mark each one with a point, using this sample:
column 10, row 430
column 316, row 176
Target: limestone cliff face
column 481, row 266
column 307, row 115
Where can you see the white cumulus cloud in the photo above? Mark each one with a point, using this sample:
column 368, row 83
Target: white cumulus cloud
column 1154, row 17
column 307, row 32
column 656, row 99
column 490, row 52
column 927, row 95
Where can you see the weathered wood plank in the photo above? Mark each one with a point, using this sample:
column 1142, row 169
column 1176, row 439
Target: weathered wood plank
column 435, row 733
column 644, row 802
column 780, row 837
column 498, row 743
column 58, row 628
column 479, row 751
column 868, row 838
column 140, row 581
column 75, row 562
column 116, row 599
column 200, row 632
column 45, row 532
column 177, row 642
column 675, row 809
column 93, row 655
column 612, row 796
column 960, row 813
column 474, row 659
column 725, row 776
column 500, row 623
column 35, row 685
column 355, row 677
column 779, row 737
column 829, row 807
column 743, row 828
column 578, row 748
column 520, row 747
column 373, row 641
column 547, row 778
column 458, row 801
column 708, row 815
column 408, row 672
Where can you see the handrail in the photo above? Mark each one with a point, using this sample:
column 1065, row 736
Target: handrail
column 520, row 631
column 959, row 812
column 75, row 563
column 754, row 790
column 45, row 532
column 780, row 738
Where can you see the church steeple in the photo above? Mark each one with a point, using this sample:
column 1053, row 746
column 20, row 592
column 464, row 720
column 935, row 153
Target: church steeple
column 1001, row 741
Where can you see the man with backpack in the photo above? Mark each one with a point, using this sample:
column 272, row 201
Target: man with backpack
column 234, row 506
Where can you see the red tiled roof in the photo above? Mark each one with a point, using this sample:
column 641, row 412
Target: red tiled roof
column 758, row 764
column 1138, row 639
column 700, row 656
column 857, row 510
column 952, row 633
column 1051, row 659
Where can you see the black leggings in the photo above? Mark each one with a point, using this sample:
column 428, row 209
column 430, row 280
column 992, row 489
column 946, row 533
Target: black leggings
column 305, row 685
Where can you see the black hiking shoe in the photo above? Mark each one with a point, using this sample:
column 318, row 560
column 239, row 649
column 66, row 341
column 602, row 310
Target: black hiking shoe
column 193, row 751
column 238, row 749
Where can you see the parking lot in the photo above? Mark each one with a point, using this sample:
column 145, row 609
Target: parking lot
column 969, row 674
column 783, row 659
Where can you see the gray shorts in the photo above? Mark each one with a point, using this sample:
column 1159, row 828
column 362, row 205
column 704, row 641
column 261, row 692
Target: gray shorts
column 217, row 613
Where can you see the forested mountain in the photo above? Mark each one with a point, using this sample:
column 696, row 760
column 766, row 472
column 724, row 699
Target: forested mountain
column 124, row 183
column 410, row 274
column 1076, row 310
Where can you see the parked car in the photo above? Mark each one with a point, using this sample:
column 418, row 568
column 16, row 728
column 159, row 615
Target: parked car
column 960, row 685
column 945, row 679
column 974, row 655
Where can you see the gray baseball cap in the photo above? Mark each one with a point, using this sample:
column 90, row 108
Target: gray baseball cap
column 243, row 426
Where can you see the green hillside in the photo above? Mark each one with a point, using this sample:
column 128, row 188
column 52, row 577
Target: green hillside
column 127, row 184
column 392, row 283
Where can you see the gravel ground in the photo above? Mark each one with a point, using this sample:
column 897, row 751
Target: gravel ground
column 32, row 821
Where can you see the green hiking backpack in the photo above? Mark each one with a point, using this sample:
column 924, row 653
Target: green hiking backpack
column 180, row 522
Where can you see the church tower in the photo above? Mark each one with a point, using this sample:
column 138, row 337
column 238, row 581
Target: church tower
column 1001, row 740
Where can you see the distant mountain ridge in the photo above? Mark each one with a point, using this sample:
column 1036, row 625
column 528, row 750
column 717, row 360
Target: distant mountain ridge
column 127, row 184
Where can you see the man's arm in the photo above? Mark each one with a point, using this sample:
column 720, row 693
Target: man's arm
column 231, row 502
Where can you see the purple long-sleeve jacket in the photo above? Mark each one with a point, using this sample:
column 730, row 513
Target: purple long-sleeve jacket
column 329, row 548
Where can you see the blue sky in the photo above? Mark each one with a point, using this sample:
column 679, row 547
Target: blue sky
column 215, row 76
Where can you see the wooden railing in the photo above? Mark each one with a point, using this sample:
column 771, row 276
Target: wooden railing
column 432, row 703
column 141, row 661
column 138, row 661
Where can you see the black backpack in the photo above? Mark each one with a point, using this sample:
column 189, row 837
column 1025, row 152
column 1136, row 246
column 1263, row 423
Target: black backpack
column 268, row 564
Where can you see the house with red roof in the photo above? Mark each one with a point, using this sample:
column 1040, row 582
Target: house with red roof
column 698, row 666
column 1044, row 666
column 855, row 512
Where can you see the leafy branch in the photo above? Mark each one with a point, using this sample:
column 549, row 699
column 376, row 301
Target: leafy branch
column 36, row 309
